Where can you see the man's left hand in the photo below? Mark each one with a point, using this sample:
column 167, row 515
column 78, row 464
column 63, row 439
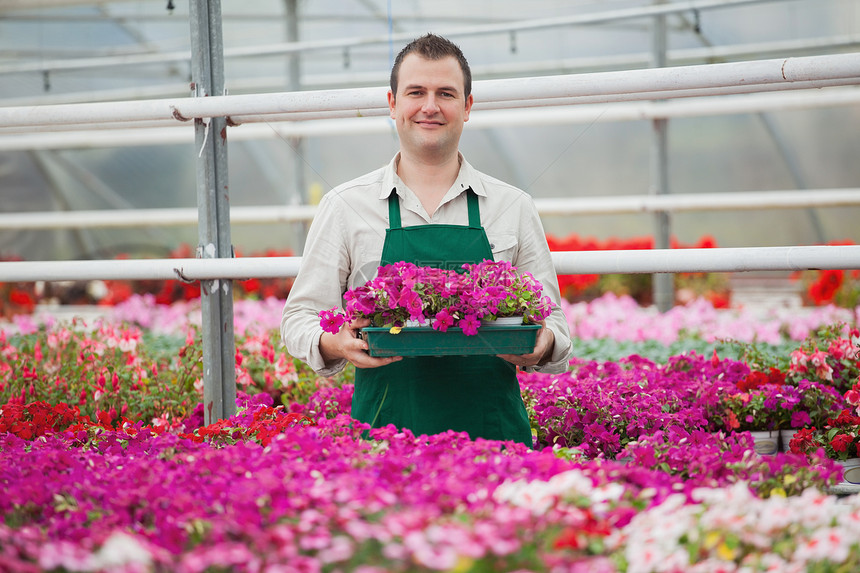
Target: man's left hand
column 542, row 353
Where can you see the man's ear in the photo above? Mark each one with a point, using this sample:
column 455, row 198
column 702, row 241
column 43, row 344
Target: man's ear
column 469, row 101
column 391, row 104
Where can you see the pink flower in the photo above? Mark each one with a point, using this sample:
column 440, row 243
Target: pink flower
column 822, row 369
column 843, row 349
column 852, row 396
column 469, row 324
column 331, row 320
column 800, row 419
column 798, row 362
column 412, row 302
column 443, row 321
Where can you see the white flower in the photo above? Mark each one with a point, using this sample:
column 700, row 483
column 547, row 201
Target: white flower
column 831, row 543
column 119, row 550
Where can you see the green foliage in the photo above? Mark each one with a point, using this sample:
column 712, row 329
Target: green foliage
column 109, row 370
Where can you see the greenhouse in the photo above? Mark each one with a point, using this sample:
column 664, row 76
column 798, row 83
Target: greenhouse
column 691, row 166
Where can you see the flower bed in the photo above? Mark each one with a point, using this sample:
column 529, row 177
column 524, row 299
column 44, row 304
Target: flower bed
column 105, row 466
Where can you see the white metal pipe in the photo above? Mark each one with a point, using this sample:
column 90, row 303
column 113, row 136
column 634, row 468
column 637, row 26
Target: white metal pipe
column 346, row 79
column 569, row 262
column 480, row 106
column 155, row 269
column 115, row 135
column 708, row 260
column 783, row 72
column 122, row 218
column 382, row 110
column 656, row 80
column 381, row 39
column 676, row 203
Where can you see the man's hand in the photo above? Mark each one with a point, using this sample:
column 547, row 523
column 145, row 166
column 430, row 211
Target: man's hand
column 542, row 353
column 346, row 344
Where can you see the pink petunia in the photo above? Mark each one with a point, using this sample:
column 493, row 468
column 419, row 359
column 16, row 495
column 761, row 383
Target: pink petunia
column 469, row 324
column 331, row 321
column 443, row 321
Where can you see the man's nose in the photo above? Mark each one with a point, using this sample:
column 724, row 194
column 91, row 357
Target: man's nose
column 431, row 105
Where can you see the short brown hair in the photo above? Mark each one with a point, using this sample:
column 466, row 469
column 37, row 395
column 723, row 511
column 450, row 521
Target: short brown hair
column 432, row 47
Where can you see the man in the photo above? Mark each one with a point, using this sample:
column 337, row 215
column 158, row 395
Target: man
column 427, row 204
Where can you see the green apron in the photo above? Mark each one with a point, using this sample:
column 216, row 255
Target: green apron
column 432, row 394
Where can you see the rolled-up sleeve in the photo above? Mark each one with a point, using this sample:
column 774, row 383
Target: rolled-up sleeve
column 534, row 256
column 320, row 285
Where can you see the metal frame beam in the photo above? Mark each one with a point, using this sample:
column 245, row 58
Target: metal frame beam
column 213, row 204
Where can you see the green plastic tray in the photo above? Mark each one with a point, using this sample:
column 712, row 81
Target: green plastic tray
column 424, row 341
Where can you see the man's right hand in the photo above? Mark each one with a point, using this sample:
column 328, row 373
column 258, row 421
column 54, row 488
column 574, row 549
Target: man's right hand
column 346, row 344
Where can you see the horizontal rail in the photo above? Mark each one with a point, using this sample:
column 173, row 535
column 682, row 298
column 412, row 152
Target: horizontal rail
column 568, row 262
column 120, row 218
column 739, row 259
column 674, row 57
column 151, row 269
column 673, row 203
column 688, row 81
column 163, row 132
column 285, row 48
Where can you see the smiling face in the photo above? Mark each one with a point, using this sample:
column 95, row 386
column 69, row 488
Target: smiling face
column 430, row 106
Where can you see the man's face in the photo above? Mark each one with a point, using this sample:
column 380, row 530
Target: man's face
column 430, row 106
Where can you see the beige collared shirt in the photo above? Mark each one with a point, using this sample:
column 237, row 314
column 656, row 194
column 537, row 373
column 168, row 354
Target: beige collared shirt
column 344, row 248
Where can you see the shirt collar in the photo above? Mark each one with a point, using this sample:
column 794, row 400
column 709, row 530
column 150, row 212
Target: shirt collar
column 467, row 177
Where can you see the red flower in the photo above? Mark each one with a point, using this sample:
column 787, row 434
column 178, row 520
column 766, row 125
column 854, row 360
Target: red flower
column 22, row 298
column 845, row 418
column 840, row 442
column 803, row 441
column 776, row 376
column 577, row 538
column 824, row 289
column 732, row 420
column 752, row 381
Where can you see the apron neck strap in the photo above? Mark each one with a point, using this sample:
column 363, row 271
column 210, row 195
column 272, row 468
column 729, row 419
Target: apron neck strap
column 471, row 202
column 393, row 210
column 474, row 211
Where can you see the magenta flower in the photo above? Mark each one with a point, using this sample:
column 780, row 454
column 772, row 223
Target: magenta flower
column 331, row 320
column 412, row 303
column 404, row 291
column 469, row 324
column 443, row 321
column 800, row 419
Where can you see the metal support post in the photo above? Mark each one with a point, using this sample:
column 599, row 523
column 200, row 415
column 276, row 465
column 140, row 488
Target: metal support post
column 297, row 142
column 213, row 213
column 662, row 285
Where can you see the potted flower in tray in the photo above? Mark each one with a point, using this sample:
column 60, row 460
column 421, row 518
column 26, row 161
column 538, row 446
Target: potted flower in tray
column 839, row 437
column 837, row 366
column 403, row 293
column 840, row 440
column 765, row 405
column 807, row 404
column 495, row 291
column 748, row 407
column 746, row 412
